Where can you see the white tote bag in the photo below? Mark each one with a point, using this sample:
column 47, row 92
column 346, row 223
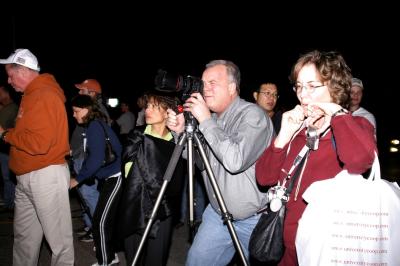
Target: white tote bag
column 350, row 220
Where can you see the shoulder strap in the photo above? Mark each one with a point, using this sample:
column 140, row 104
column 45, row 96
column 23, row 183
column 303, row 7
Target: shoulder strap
column 300, row 165
column 104, row 130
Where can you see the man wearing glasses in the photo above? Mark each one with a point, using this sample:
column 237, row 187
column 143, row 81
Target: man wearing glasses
column 266, row 97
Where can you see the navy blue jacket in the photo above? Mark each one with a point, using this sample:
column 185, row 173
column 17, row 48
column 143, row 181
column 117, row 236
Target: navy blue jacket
column 95, row 152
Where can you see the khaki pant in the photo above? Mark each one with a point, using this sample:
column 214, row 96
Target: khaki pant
column 42, row 207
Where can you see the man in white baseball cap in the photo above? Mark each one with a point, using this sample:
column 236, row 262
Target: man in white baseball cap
column 22, row 57
column 356, row 95
column 38, row 146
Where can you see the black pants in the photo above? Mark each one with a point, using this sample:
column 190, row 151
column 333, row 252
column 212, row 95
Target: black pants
column 155, row 250
column 104, row 219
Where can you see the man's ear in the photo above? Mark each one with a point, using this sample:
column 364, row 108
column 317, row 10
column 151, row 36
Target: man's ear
column 232, row 88
column 255, row 96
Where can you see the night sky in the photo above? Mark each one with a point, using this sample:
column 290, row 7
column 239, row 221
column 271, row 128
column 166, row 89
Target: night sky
column 124, row 54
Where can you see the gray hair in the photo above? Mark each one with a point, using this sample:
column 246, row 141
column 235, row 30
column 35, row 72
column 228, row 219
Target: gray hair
column 231, row 69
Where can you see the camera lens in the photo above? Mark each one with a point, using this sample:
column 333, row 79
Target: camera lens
column 275, row 196
column 275, row 204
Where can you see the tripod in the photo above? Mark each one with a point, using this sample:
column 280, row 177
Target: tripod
column 188, row 135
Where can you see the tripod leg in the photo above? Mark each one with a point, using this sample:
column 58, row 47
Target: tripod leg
column 190, row 163
column 167, row 177
column 226, row 216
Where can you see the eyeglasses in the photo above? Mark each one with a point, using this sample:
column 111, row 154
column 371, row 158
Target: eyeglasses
column 269, row 94
column 310, row 87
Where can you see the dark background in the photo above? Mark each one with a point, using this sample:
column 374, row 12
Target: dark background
column 123, row 49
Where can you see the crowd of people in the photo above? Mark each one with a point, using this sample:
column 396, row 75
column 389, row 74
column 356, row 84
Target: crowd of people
column 119, row 173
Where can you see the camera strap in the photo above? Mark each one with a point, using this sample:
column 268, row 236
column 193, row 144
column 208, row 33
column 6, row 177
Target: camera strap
column 298, row 165
column 312, row 143
column 281, row 192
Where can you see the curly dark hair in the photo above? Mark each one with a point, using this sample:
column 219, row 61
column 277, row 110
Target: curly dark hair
column 161, row 100
column 333, row 72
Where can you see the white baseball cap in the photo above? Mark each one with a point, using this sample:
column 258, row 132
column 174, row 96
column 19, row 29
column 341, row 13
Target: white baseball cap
column 22, row 57
column 357, row 82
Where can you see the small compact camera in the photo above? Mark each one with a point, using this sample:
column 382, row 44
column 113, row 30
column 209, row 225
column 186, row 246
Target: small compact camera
column 276, row 196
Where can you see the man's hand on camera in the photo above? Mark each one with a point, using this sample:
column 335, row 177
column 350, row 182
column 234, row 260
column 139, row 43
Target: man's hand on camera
column 198, row 107
column 175, row 122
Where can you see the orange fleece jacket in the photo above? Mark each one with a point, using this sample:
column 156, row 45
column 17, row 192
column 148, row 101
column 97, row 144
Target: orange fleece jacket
column 40, row 136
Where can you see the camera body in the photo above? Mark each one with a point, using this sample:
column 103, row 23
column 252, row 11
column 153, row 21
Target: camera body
column 312, row 137
column 186, row 85
column 276, row 196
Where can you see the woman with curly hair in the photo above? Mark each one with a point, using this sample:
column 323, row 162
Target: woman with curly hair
column 322, row 83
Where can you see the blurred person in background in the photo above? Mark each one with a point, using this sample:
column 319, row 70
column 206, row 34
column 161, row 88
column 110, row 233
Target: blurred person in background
column 266, row 97
column 141, row 103
column 126, row 121
column 8, row 113
column 356, row 95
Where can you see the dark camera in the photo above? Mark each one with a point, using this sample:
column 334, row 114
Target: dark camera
column 184, row 85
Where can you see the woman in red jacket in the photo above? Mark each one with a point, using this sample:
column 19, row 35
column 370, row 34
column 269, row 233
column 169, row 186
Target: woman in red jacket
column 322, row 82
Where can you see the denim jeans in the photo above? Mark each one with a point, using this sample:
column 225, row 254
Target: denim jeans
column 213, row 244
column 9, row 186
column 89, row 193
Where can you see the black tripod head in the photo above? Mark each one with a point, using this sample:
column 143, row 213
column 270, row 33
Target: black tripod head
column 190, row 120
column 191, row 127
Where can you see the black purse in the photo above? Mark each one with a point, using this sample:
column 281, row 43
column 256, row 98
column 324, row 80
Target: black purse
column 266, row 240
column 109, row 155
